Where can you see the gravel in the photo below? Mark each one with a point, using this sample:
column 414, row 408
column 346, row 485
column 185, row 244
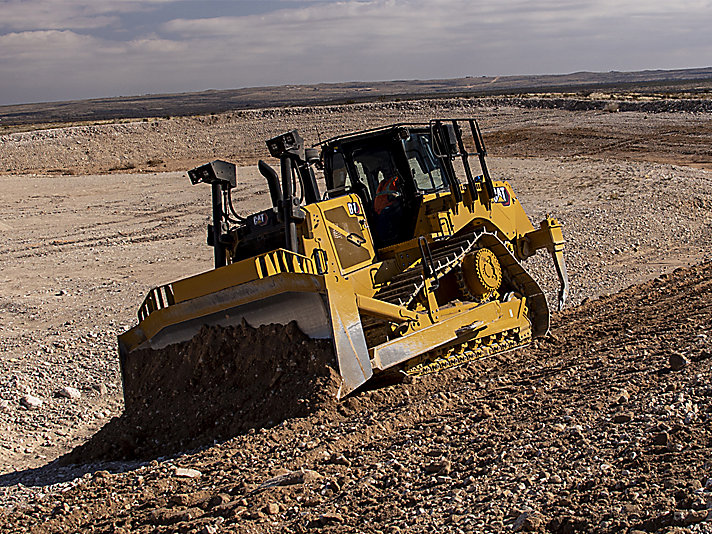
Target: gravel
column 415, row 457
column 80, row 251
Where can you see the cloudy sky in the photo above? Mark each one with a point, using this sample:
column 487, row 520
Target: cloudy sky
column 73, row 49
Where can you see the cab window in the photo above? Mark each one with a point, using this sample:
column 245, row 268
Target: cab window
column 427, row 173
column 339, row 176
column 373, row 165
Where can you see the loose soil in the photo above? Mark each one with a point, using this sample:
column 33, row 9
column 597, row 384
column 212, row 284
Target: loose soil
column 217, row 385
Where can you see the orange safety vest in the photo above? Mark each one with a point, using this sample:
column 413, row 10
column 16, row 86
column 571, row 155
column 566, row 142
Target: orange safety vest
column 385, row 194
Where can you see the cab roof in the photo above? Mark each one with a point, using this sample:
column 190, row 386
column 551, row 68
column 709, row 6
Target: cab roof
column 373, row 132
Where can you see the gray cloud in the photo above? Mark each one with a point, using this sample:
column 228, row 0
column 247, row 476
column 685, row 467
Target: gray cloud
column 69, row 14
column 335, row 41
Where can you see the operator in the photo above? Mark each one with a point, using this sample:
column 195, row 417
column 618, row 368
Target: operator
column 388, row 208
column 386, row 194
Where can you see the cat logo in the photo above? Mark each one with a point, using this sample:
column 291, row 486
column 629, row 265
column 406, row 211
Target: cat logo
column 501, row 196
column 260, row 219
column 354, row 208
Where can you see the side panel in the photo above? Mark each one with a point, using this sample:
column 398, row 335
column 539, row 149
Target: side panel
column 348, row 232
column 504, row 211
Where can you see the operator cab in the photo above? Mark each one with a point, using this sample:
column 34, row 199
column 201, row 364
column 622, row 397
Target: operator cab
column 390, row 170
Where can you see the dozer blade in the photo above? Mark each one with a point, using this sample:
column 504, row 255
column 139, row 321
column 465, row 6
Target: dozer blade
column 278, row 299
column 221, row 298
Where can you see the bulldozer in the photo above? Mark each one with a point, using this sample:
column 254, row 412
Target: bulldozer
column 408, row 257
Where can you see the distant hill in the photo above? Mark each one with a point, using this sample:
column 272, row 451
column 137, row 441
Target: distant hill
column 214, row 101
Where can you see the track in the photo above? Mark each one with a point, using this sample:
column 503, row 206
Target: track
column 446, row 258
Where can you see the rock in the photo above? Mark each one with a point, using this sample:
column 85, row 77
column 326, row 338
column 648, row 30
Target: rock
column 182, row 472
column 31, row 402
column 219, row 500
column 661, row 438
column 331, row 518
column 101, row 389
column 623, row 417
column 631, row 510
column 677, row 361
column 4, row 405
column 68, row 393
column 443, row 467
column 623, row 397
column 271, row 509
column 339, row 459
column 190, row 500
column 289, row 479
column 191, row 513
column 408, row 379
column 527, row 521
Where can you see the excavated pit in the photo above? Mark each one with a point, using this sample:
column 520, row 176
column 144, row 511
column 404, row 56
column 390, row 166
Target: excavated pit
column 221, row 383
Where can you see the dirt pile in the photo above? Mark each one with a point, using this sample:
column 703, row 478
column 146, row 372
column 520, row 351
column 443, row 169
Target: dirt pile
column 602, row 427
column 221, row 383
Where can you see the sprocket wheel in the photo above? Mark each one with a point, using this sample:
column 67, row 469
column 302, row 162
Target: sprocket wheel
column 480, row 275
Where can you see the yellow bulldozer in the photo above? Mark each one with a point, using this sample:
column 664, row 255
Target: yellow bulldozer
column 409, row 260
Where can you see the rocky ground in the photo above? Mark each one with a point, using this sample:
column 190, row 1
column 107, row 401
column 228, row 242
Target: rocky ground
column 603, row 426
column 79, row 251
